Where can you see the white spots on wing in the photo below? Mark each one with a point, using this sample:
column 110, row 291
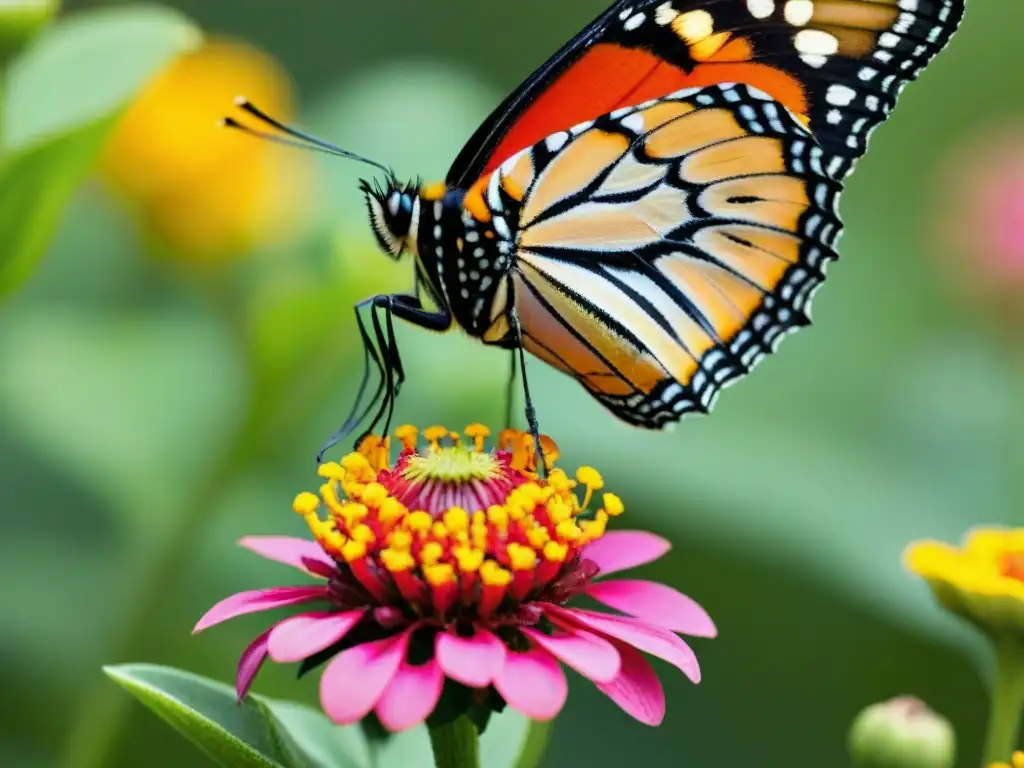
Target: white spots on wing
column 840, row 95
column 888, row 40
column 633, row 22
column 798, row 12
column 556, row 141
column 908, row 5
column 816, row 42
column 867, row 74
column 634, row 122
column 761, row 9
column 814, row 60
column 626, row 13
column 694, row 26
column 665, row 14
column 834, row 117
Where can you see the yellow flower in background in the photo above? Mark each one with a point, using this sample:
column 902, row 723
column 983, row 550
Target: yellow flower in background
column 1017, row 762
column 206, row 193
column 983, row 580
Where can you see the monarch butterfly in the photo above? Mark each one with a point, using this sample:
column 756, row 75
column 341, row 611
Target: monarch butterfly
column 651, row 211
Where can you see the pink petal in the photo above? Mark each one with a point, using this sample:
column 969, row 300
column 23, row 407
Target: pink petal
column 645, row 637
column 619, row 550
column 533, row 683
column 356, row 678
column 655, row 603
column 637, row 689
column 250, row 663
column 302, row 554
column 474, row 661
column 590, row 655
column 411, row 697
column 257, row 600
column 302, row 636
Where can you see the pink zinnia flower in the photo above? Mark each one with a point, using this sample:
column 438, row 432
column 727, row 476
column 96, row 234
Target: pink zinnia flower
column 457, row 564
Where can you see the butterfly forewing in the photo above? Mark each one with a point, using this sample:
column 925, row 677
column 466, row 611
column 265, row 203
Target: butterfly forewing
column 664, row 249
column 839, row 64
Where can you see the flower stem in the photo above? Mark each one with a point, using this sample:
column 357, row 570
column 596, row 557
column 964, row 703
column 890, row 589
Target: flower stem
column 1007, row 702
column 456, row 744
column 535, row 744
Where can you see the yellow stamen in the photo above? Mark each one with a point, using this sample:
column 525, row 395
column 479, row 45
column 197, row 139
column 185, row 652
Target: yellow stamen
column 407, row 434
column 400, row 540
column 478, row 433
column 440, row 530
column 439, row 575
column 567, row 530
column 331, row 470
column 613, row 504
column 469, row 559
column 431, row 553
column 330, row 497
column 538, row 537
column 353, row 550
column 498, row 516
column 493, row 575
column 555, row 552
column 391, row 511
column 456, row 519
column 306, row 503
column 363, row 533
column 593, row 480
column 396, row 561
column 374, row 494
column 521, row 558
column 433, row 434
column 419, row 522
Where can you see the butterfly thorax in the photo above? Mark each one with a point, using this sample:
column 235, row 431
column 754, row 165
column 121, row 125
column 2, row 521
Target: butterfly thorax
column 462, row 244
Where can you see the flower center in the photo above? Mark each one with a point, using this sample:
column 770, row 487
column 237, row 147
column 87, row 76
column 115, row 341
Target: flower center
column 456, row 464
column 455, row 532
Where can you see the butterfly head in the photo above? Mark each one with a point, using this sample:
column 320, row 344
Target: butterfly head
column 392, row 208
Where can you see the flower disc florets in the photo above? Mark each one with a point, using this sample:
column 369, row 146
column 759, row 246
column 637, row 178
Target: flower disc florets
column 455, row 532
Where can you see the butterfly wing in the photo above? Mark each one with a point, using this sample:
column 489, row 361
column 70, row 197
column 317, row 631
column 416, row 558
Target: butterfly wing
column 663, row 250
column 839, row 64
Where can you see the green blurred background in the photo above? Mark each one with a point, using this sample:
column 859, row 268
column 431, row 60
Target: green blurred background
column 154, row 408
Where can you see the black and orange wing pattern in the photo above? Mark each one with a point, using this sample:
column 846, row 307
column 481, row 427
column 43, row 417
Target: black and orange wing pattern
column 839, row 64
column 662, row 250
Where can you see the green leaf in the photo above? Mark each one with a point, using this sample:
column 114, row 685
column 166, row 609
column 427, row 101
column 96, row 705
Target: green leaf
column 205, row 712
column 62, row 97
column 258, row 733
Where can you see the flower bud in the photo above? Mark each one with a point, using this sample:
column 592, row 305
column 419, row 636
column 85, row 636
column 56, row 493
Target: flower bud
column 20, row 21
column 902, row 733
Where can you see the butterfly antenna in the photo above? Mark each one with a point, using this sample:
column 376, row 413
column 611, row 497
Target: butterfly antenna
column 299, row 139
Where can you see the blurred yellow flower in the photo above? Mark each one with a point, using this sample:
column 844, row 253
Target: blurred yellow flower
column 983, row 581
column 206, row 193
column 1017, row 762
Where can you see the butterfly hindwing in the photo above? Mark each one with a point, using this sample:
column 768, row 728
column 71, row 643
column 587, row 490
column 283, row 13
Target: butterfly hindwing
column 663, row 250
column 839, row 64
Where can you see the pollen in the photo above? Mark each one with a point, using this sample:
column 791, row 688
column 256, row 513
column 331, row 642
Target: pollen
column 453, row 528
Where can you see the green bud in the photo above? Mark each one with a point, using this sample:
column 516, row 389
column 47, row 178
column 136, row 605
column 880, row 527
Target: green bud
column 902, row 733
column 20, row 21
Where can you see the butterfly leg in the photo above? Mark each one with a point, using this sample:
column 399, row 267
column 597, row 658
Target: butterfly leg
column 382, row 351
column 510, row 390
column 531, row 412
